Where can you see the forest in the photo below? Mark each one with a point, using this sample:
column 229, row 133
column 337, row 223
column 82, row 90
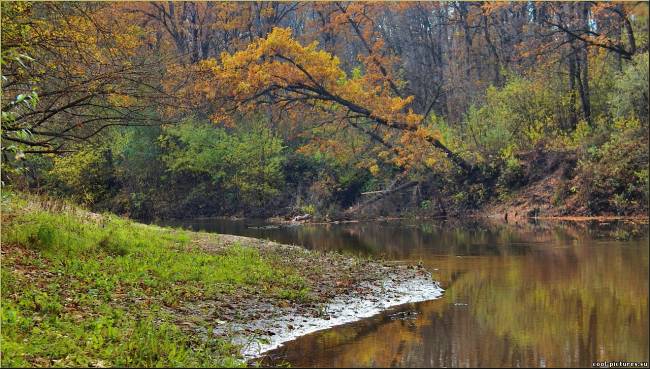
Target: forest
column 324, row 184
column 336, row 110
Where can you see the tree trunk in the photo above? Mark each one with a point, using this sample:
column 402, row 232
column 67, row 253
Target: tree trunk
column 573, row 115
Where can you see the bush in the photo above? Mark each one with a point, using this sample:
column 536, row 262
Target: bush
column 514, row 117
column 630, row 95
column 246, row 162
column 86, row 175
column 613, row 177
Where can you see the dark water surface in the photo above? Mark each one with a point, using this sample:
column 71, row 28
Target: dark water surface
column 551, row 294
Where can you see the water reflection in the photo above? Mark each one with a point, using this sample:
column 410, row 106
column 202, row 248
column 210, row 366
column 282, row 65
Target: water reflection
column 555, row 294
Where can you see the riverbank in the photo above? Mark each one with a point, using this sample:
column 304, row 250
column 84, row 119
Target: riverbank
column 491, row 216
column 83, row 289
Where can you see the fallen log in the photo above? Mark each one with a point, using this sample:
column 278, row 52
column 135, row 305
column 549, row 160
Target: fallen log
column 380, row 195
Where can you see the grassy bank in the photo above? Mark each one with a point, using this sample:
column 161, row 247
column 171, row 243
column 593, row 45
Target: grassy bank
column 82, row 289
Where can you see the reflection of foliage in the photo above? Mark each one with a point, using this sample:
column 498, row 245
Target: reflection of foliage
column 563, row 291
column 566, row 298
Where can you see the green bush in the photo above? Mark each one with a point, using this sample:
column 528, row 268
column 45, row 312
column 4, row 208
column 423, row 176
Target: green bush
column 630, row 95
column 246, row 161
column 514, row 117
column 613, row 177
column 84, row 175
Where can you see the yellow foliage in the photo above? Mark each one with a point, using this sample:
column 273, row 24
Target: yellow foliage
column 121, row 100
column 304, row 79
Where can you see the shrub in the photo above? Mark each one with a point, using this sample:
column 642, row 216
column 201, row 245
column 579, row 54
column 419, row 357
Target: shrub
column 613, row 177
column 630, row 95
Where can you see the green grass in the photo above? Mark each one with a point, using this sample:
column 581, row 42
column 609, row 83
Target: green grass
column 80, row 289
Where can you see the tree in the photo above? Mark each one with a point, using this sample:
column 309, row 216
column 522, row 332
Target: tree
column 199, row 30
column 278, row 71
column 89, row 69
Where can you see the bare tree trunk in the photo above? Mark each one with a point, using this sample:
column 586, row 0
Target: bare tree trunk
column 493, row 51
column 573, row 115
column 583, row 79
column 584, row 69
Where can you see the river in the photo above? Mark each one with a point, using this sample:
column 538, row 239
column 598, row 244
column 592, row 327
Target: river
column 549, row 294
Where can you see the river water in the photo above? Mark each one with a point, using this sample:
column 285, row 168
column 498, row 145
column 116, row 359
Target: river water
column 554, row 294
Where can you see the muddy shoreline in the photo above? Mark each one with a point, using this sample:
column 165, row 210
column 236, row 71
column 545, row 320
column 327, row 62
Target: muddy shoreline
column 342, row 289
column 506, row 217
column 490, row 211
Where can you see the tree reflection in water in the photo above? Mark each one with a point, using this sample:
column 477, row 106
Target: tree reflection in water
column 557, row 295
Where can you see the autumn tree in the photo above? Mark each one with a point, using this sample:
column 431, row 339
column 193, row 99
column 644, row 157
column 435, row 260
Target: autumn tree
column 199, row 30
column 571, row 35
column 380, row 94
column 87, row 63
column 280, row 72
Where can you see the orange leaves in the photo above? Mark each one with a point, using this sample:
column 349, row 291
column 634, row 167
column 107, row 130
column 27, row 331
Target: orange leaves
column 130, row 39
column 278, row 59
column 491, row 7
column 309, row 85
column 374, row 169
column 281, row 65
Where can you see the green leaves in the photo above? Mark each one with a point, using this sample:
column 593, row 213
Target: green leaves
column 29, row 99
column 630, row 95
column 247, row 161
column 22, row 102
column 84, row 173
